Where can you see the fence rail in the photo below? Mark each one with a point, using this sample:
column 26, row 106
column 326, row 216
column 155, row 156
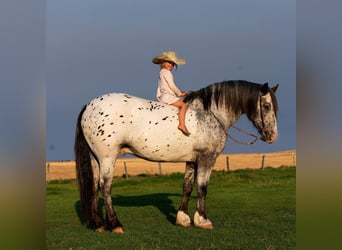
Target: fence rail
column 126, row 167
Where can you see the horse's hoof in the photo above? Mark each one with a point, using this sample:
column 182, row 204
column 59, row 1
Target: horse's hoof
column 100, row 229
column 201, row 222
column 118, row 230
column 183, row 219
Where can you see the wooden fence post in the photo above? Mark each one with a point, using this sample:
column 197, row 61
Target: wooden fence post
column 160, row 168
column 293, row 158
column 125, row 169
column 48, row 173
column 262, row 162
column 227, row 163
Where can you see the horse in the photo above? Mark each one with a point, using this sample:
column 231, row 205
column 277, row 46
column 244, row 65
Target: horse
column 118, row 123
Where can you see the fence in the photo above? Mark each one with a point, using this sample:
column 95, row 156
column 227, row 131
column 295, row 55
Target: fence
column 134, row 166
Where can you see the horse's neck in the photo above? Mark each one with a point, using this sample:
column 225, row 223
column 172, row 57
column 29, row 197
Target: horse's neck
column 225, row 118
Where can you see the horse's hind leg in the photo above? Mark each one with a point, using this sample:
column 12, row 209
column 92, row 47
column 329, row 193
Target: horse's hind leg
column 96, row 222
column 183, row 218
column 107, row 172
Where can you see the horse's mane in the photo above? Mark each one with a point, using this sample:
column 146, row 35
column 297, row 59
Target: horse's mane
column 238, row 95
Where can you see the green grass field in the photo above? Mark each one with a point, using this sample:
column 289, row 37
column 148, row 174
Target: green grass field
column 250, row 209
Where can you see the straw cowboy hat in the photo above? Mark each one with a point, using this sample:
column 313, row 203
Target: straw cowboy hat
column 168, row 56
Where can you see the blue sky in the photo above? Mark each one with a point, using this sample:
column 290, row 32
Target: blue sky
column 99, row 47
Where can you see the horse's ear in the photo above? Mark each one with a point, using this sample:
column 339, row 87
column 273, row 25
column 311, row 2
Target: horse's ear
column 274, row 89
column 264, row 89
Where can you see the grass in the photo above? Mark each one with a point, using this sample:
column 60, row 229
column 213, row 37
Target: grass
column 250, row 209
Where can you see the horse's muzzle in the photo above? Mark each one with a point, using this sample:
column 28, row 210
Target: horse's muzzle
column 271, row 139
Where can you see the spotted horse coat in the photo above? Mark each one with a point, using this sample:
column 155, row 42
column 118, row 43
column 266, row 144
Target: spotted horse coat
column 118, row 123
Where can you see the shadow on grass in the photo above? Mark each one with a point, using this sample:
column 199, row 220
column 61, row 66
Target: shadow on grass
column 161, row 201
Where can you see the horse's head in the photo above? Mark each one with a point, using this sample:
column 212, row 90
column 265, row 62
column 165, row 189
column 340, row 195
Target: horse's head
column 265, row 116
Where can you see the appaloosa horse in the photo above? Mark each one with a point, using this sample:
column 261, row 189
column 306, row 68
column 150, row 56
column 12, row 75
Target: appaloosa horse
column 120, row 123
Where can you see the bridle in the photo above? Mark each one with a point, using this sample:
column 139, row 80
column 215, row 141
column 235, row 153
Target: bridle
column 256, row 137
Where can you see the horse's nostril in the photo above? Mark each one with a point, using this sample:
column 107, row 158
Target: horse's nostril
column 272, row 139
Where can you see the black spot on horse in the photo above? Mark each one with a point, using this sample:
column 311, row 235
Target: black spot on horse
column 165, row 118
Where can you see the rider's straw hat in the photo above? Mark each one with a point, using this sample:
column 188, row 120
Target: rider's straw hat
column 168, row 56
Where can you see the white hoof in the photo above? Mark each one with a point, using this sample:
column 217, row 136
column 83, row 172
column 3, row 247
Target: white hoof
column 118, row 230
column 200, row 222
column 100, row 229
column 183, row 219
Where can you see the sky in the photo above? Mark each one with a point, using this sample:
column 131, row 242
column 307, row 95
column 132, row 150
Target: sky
column 98, row 47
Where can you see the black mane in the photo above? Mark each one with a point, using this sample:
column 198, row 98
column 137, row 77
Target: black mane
column 238, row 95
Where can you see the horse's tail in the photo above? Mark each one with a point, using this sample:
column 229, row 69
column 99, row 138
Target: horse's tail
column 84, row 170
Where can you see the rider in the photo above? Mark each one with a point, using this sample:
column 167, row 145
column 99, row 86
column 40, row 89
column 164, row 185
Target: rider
column 167, row 90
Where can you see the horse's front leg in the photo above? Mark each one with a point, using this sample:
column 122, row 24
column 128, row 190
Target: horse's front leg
column 183, row 218
column 205, row 165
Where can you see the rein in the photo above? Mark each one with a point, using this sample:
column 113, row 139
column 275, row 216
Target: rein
column 245, row 132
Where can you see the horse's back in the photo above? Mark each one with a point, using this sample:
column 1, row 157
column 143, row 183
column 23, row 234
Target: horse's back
column 125, row 108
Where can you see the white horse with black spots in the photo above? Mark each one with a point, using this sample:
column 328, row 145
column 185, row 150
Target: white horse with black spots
column 117, row 123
